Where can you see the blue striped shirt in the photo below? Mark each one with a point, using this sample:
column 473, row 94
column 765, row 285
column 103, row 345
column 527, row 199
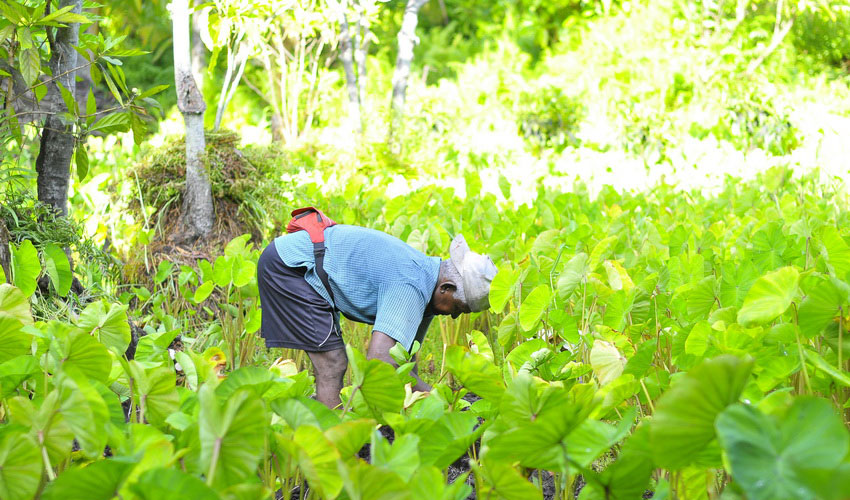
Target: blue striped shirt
column 376, row 278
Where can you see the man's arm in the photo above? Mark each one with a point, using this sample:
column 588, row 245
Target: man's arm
column 379, row 348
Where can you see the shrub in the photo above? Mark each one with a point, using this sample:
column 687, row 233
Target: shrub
column 549, row 118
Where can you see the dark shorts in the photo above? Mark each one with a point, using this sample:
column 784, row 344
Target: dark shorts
column 294, row 314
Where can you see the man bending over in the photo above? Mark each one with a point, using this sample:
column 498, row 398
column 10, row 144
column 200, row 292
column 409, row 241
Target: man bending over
column 374, row 278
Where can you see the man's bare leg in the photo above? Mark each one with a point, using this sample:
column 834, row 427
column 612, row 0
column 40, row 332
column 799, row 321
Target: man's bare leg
column 379, row 348
column 329, row 369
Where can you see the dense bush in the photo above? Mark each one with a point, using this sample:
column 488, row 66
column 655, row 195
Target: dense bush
column 549, row 118
column 825, row 40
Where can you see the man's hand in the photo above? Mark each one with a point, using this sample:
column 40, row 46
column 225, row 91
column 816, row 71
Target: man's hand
column 379, row 348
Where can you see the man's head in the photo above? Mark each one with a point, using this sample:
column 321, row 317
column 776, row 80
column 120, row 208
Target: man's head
column 463, row 285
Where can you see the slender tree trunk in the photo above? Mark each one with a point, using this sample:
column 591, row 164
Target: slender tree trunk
column 197, row 213
column 199, row 53
column 53, row 164
column 406, row 42
column 345, row 56
column 362, row 50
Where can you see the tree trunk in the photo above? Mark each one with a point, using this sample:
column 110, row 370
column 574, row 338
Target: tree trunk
column 197, row 212
column 53, row 164
column 406, row 42
column 346, row 50
column 362, row 50
column 199, row 53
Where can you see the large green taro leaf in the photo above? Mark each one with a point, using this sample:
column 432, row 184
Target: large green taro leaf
column 85, row 411
column 25, row 267
column 771, row 458
column 318, row 460
column 835, row 251
column 47, row 425
column 573, row 273
column 823, row 304
column 58, row 268
column 504, row 480
column 232, row 436
column 156, row 392
column 171, row 484
column 502, row 288
column 448, row 438
column 475, row 372
column 401, row 457
column 628, row 477
column 428, row 484
column 735, row 282
column 109, row 325
column 683, row 425
column 20, row 465
column 376, row 383
column 100, row 480
column 533, row 307
column 348, row 437
column 300, row 411
column 366, row 482
column 78, row 351
column 769, row 247
column 769, row 297
column 14, row 304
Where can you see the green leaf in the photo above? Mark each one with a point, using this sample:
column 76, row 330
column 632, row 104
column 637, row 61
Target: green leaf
column 697, row 341
column 534, row 306
column 231, row 437
column 377, row 383
column 475, row 372
column 156, row 392
column 839, row 376
column 769, row 297
column 204, row 291
column 85, row 411
column 171, row 484
column 81, row 160
column 823, row 306
column 505, row 480
column 573, row 274
column 317, row 458
column 47, row 425
column 112, row 122
column 835, row 251
column 153, row 91
column 14, row 304
column 448, row 438
column 30, row 64
column 25, row 267
column 607, row 362
column 401, row 457
column 479, row 344
column 20, row 466
column 78, row 351
column 348, row 437
column 767, row 454
column 91, row 108
column 365, row 482
column 502, row 288
column 58, row 268
column 109, row 326
column 100, row 480
column 683, row 424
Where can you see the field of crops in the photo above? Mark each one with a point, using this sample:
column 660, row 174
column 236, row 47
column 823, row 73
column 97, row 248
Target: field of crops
column 664, row 344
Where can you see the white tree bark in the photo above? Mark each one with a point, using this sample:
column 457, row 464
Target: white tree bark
column 197, row 212
column 406, row 42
